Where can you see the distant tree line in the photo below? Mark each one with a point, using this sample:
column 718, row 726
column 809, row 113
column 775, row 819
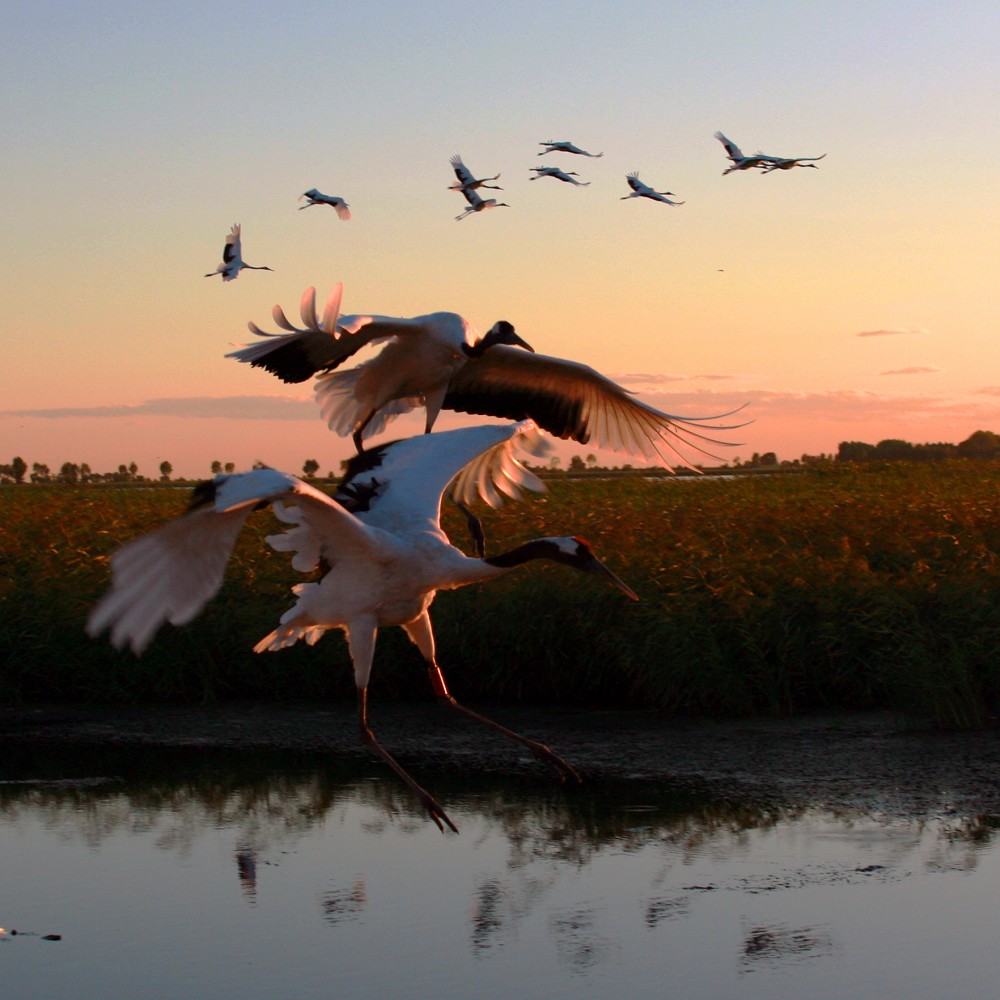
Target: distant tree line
column 979, row 444
column 17, row 471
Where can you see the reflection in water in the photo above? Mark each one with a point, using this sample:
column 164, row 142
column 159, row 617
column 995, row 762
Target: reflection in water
column 246, row 868
column 779, row 944
column 487, row 920
column 345, row 904
column 661, row 908
column 623, row 884
column 581, row 942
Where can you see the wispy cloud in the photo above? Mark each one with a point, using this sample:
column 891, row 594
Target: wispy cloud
column 645, row 379
column 912, row 370
column 888, row 333
column 834, row 407
column 210, row 407
column 648, row 382
column 988, row 390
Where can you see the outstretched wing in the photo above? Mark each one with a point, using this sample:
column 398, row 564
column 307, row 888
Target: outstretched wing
column 472, row 196
column 321, row 344
column 497, row 472
column 232, row 251
column 170, row 574
column 462, row 172
column 402, row 482
column 731, row 148
column 575, row 402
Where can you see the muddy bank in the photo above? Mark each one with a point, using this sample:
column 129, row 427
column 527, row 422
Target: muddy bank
column 866, row 761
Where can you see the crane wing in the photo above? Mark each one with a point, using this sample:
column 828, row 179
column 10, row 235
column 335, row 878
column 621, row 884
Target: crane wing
column 731, row 148
column 170, row 574
column 462, row 172
column 575, row 402
column 231, row 251
column 320, row 345
column 472, row 196
column 401, row 483
column 296, row 357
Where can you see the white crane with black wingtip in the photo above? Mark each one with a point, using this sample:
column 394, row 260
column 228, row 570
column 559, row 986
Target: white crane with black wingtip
column 738, row 161
column 565, row 146
column 232, row 258
column 377, row 546
column 477, row 203
column 467, row 181
column 788, row 162
column 439, row 362
column 335, row 202
column 569, row 176
column 643, row 190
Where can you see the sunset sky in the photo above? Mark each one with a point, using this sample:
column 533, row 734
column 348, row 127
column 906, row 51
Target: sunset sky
column 857, row 301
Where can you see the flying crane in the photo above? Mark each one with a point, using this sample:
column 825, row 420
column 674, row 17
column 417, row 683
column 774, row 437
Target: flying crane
column 232, row 258
column 440, row 362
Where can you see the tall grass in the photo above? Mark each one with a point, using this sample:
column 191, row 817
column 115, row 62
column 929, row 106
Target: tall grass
column 836, row 588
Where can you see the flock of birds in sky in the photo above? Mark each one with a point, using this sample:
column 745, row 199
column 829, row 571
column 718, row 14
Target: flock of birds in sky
column 469, row 186
column 376, row 551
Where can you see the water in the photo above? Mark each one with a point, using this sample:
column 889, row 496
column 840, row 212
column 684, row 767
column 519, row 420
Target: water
column 174, row 874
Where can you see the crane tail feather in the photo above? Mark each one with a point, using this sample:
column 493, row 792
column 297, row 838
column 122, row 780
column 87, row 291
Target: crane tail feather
column 331, row 312
column 307, row 309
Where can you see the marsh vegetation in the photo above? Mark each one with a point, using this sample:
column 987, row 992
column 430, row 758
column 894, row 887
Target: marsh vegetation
column 838, row 587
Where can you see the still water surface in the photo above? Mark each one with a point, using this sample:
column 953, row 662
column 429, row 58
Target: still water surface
column 174, row 874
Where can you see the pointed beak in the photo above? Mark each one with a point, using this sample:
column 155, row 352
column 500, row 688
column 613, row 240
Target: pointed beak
column 595, row 566
column 515, row 339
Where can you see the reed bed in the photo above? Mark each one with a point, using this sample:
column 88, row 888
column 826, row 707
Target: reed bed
column 837, row 588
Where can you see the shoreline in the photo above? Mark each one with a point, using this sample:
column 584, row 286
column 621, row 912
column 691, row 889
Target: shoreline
column 863, row 760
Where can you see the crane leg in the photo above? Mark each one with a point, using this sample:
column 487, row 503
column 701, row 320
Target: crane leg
column 435, row 811
column 540, row 750
column 359, row 430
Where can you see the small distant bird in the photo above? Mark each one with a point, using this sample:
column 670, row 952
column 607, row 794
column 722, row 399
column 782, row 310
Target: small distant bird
column 466, row 181
column 739, row 161
column 315, row 197
column 641, row 190
column 439, row 362
column 377, row 546
column 478, row 203
column 786, row 163
column 563, row 146
column 559, row 175
column 232, row 258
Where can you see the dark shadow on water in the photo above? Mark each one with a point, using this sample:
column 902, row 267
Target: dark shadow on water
column 290, row 792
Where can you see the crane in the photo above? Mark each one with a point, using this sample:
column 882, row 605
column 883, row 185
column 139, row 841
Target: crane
column 338, row 204
column 439, row 361
column 477, row 203
column 559, row 175
column 565, row 146
column 642, row 190
column 466, row 181
column 787, row 162
column 737, row 159
column 232, row 258
column 377, row 546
